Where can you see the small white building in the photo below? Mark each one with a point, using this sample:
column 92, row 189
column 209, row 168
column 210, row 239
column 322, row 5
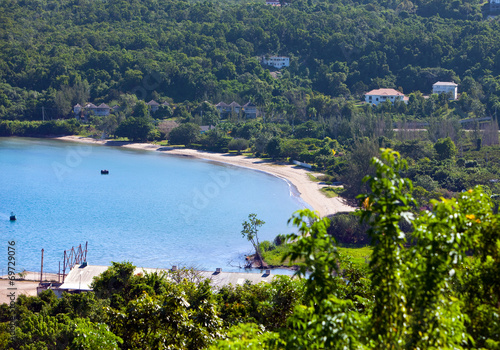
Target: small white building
column 377, row 96
column 276, row 61
column 442, row 87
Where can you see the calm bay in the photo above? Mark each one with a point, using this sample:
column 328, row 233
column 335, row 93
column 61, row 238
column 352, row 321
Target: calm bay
column 153, row 209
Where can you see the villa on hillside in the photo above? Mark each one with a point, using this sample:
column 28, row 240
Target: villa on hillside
column 377, row 96
column 276, row 61
column 442, row 87
column 235, row 107
column 222, row 108
column 153, row 105
column 104, row 110
column 249, row 109
column 91, row 109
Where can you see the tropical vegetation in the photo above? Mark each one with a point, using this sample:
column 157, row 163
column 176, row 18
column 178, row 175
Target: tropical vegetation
column 436, row 288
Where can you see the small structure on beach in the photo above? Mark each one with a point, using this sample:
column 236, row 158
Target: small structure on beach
column 80, row 278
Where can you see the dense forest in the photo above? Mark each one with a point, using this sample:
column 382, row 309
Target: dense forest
column 55, row 54
column 193, row 55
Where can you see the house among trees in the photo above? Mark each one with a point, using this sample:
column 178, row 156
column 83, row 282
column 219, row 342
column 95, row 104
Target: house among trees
column 249, row 109
column 377, row 96
column 102, row 110
column 276, row 61
column 235, row 107
column 446, row 88
column 77, row 109
column 273, row 2
column 91, row 109
column 222, row 108
column 153, row 105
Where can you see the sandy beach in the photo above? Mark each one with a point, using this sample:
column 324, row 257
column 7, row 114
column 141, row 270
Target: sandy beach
column 297, row 176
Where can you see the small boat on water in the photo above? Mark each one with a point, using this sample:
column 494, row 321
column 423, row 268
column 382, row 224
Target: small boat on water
column 12, row 217
column 104, row 172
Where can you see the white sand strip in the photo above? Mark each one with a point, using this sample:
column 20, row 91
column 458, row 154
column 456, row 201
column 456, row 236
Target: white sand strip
column 308, row 190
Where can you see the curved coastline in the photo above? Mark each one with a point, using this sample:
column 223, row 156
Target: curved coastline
column 296, row 177
column 294, row 191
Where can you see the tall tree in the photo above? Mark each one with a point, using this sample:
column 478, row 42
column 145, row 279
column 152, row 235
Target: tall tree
column 135, row 129
column 250, row 232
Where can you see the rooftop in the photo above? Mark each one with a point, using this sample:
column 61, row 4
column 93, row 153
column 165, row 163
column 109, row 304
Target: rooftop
column 445, row 83
column 385, row 92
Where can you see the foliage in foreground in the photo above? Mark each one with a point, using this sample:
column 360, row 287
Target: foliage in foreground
column 423, row 293
column 423, row 296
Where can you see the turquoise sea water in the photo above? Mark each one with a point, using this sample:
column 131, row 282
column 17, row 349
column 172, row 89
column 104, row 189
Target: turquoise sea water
column 153, row 209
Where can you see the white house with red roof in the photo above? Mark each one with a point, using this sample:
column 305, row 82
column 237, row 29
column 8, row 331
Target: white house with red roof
column 377, row 96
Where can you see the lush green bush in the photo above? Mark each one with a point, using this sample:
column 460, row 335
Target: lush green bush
column 39, row 128
column 184, row 134
column 347, row 229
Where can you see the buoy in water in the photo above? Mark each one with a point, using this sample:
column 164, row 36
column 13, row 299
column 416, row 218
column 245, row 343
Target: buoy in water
column 12, row 216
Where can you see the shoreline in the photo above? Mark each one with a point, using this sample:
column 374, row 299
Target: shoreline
column 306, row 190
